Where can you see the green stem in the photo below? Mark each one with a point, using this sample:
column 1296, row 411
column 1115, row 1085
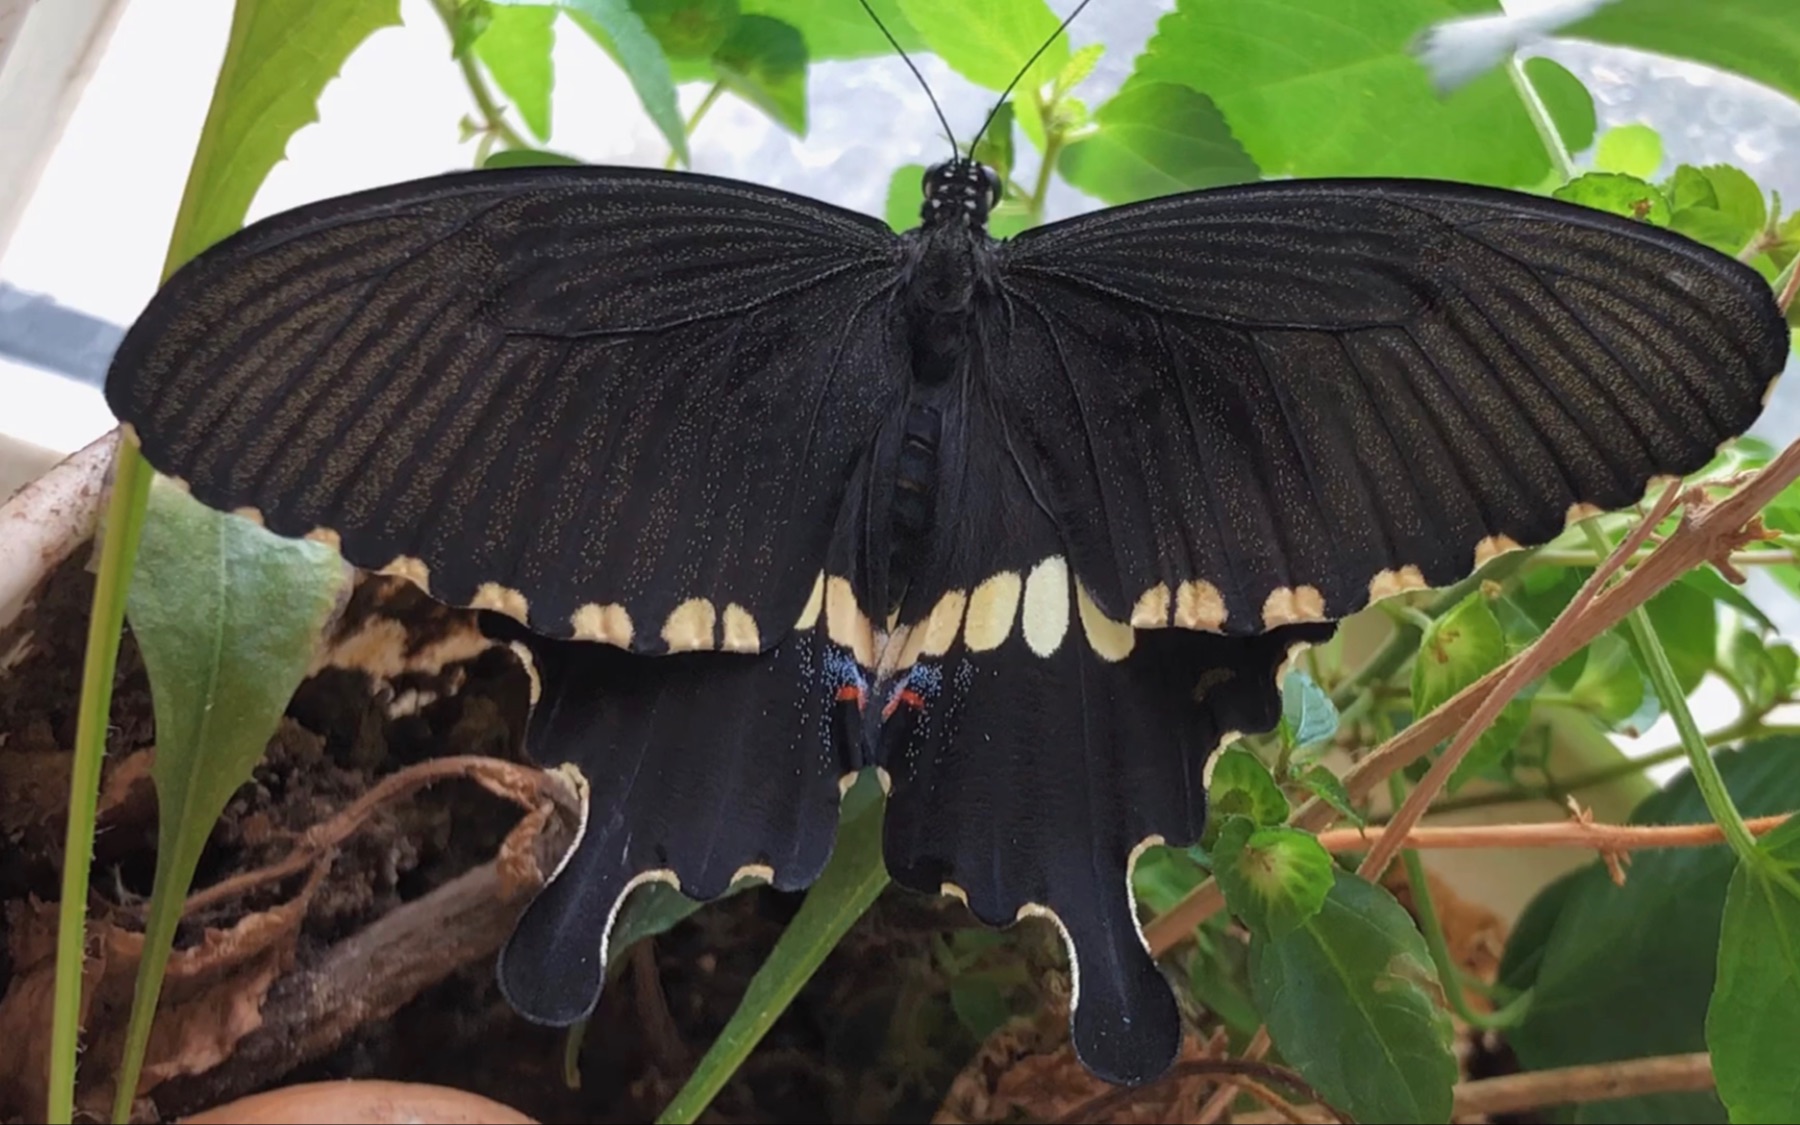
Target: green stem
column 123, row 527
column 693, row 121
column 1541, row 120
column 1655, row 661
column 1449, row 978
column 1053, row 146
column 493, row 116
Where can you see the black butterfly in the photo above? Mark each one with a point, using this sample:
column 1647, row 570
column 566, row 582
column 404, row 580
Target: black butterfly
column 1029, row 525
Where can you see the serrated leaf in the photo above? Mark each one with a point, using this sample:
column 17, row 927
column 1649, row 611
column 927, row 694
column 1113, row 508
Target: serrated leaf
column 1328, row 787
column 763, row 61
column 282, row 54
column 1753, row 1019
column 988, row 43
column 515, row 49
column 688, row 29
column 1311, row 89
column 1762, row 672
column 1634, row 150
column 836, row 30
column 1618, row 194
column 1610, row 684
column 905, row 197
column 529, row 158
column 1687, row 622
column 1689, row 187
column 1080, row 65
column 227, row 617
column 1307, row 715
column 622, row 34
column 1274, row 878
column 1352, row 1003
column 1241, row 785
column 1155, row 138
column 1587, row 947
column 1462, row 645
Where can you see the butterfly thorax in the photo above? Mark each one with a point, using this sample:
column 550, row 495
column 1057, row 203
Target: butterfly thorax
column 950, row 264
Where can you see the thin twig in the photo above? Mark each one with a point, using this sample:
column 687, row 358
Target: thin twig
column 1714, row 530
column 1220, row 1103
column 1531, row 664
column 1597, row 1083
column 1097, row 1109
column 1571, row 834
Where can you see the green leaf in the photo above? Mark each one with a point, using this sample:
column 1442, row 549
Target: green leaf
column 1219, row 976
column 1753, row 1020
column 529, row 158
column 651, row 909
column 1763, row 673
column 1718, row 205
column 764, row 62
column 1307, row 715
column 1274, row 879
column 1758, row 39
column 280, row 56
column 848, row 887
column 1328, row 787
column 622, row 34
column 688, row 29
column 988, row 43
column 1618, row 194
column 1566, row 98
column 1610, row 684
column 1587, row 947
column 836, row 30
column 1074, row 72
column 1352, row 1003
column 1689, row 187
column 470, row 19
column 515, row 49
column 905, row 197
column 1461, row 646
column 1635, row 150
column 227, row 617
column 1240, row 785
column 1155, row 138
column 995, row 149
column 1329, row 87
column 1687, row 622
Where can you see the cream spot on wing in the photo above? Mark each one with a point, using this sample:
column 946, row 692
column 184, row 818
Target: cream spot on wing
column 1152, row 608
column 741, row 634
column 1046, row 613
column 500, row 599
column 412, row 570
column 991, row 610
column 253, row 514
column 1287, row 605
column 759, row 871
column 609, row 623
column 530, row 665
column 934, row 635
column 690, row 627
column 814, row 602
column 1131, row 861
column 1581, row 510
column 1039, row 910
column 951, row 890
column 845, row 622
column 1198, row 605
column 326, row 536
column 1111, row 640
column 1491, row 546
column 1391, row 582
column 1769, row 391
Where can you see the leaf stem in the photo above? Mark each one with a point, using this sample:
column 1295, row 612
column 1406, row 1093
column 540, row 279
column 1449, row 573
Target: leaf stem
column 1655, row 661
column 694, row 119
column 120, row 533
column 1560, row 160
column 493, row 116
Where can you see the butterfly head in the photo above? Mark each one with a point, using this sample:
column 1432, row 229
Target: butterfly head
column 959, row 191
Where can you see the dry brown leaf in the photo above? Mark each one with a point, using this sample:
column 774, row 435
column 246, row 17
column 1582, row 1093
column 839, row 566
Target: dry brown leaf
column 212, row 997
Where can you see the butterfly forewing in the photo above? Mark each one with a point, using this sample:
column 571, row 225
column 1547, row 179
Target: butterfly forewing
column 1273, row 403
column 617, row 405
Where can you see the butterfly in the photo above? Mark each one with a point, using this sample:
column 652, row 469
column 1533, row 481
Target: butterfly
column 771, row 495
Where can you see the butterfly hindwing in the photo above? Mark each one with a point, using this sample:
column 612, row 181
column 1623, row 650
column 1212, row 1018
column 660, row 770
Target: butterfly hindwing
column 615, row 404
column 1276, row 403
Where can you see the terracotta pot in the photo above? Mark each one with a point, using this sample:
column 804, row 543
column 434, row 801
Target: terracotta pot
column 362, row 1102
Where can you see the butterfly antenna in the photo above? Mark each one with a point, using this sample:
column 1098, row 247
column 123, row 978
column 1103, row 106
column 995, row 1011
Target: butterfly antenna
column 892, row 42
column 1023, row 71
